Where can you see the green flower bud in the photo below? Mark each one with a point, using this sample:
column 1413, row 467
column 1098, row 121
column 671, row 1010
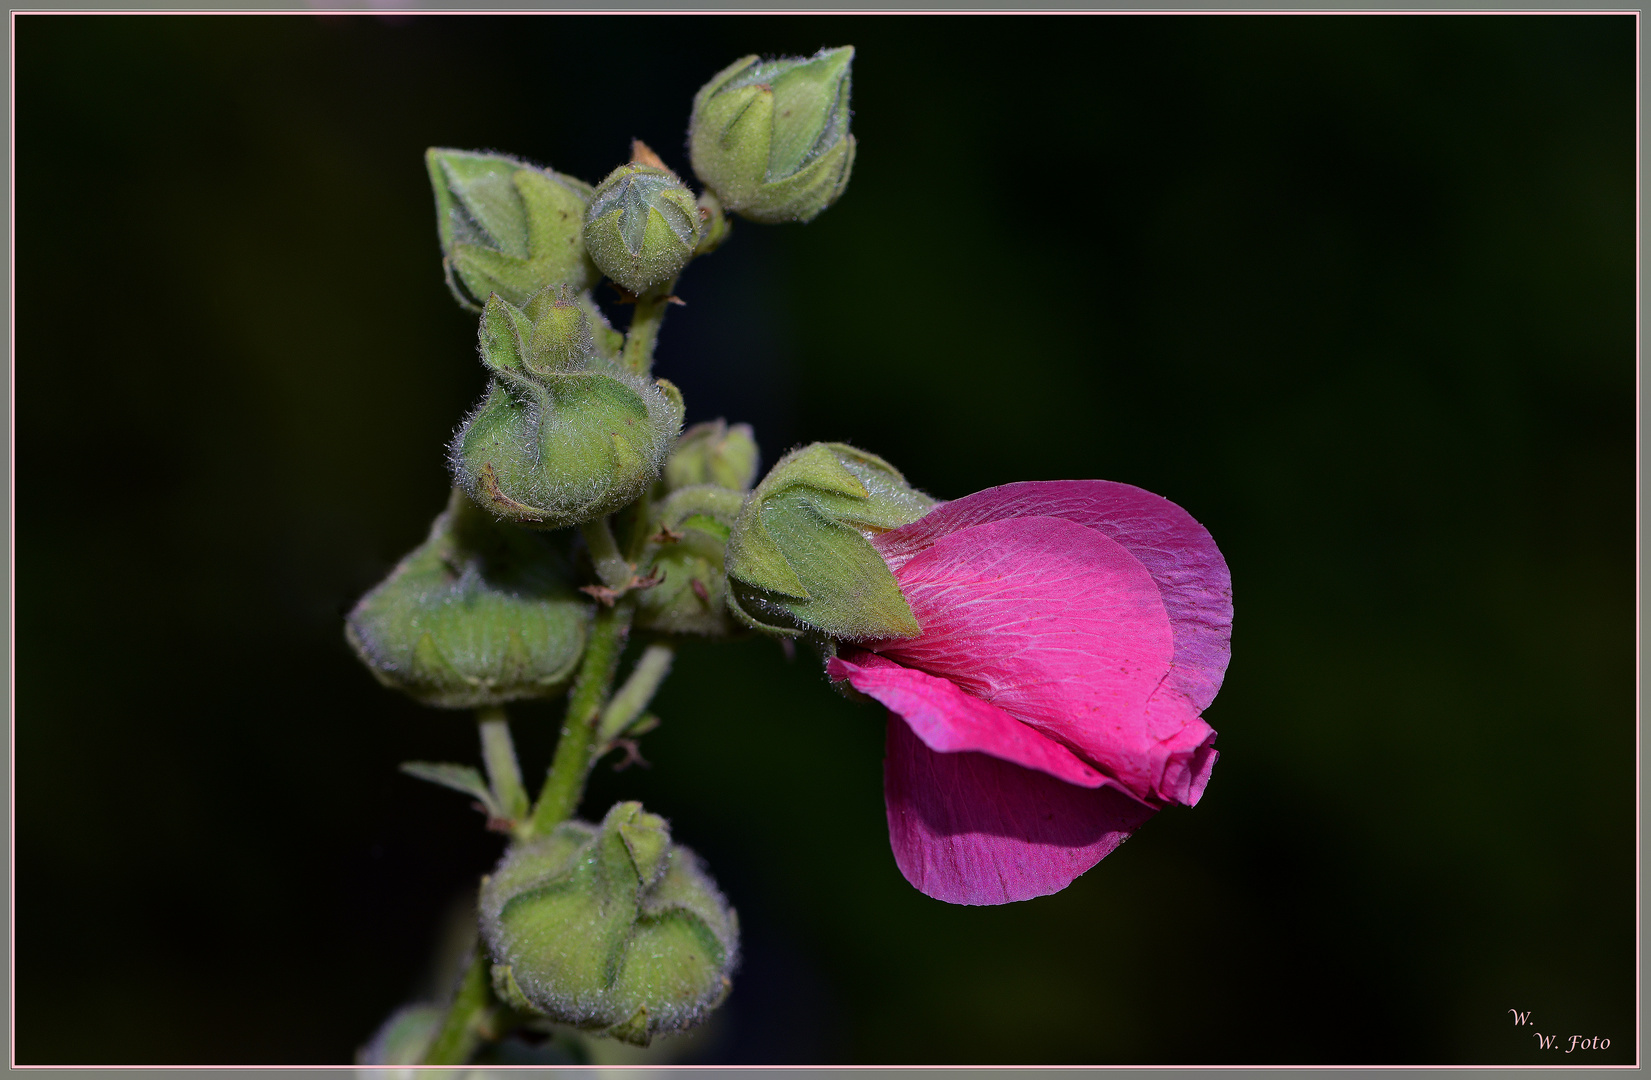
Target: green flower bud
column 479, row 614
column 799, row 557
column 690, row 529
column 507, row 227
column 612, row 929
column 771, row 137
column 563, row 436
column 642, row 226
column 713, row 453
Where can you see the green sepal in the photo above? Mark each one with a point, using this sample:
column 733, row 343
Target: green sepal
column 509, row 991
column 799, row 559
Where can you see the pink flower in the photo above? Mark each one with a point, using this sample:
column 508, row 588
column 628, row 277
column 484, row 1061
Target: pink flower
column 1073, row 631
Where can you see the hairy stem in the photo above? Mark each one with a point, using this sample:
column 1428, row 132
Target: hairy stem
column 568, row 769
column 639, row 689
column 504, row 775
column 611, row 566
column 461, row 1029
column 643, row 333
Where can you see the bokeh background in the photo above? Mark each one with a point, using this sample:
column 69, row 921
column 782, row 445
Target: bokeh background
column 1358, row 292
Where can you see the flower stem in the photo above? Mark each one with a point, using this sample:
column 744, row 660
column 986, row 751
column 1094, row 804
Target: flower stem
column 640, row 686
column 643, row 333
column 611, row 566
column 566, row 782
column 461, row 1029
column 504, row 775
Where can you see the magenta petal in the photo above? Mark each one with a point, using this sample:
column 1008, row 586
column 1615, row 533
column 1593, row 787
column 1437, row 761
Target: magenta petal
column 1183, row 560
column 968, row 828
column 1188, row 759
column 1059, row 626
column 950, row 721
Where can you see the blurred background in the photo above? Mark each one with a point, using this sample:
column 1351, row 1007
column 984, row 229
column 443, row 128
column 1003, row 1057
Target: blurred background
column 1358, row 292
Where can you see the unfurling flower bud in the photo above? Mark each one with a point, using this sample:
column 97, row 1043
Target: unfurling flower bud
column 507, row 227
column 612, row 929
column 563, row 435
column 771, row 137
column 480, row 614
column 642, row 226
column 713, row 453
column 799, row 558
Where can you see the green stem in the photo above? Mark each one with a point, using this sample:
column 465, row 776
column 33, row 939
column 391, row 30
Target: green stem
column 643, row 333
column 611, row 566
column 499, row 755
column 639, row 689
column 566, row 783
column 460, row 1032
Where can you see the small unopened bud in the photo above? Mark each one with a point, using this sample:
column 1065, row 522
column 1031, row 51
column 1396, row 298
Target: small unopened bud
column 771, row 137
column 561, row 338
column 562, row 436
column 799, row 558
column 507, row 227
column 714, row 453
column 690, row 529
column 612, row 929
column 642, row 226
column 480, row 614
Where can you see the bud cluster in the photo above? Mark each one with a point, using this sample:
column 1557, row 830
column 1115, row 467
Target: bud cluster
column 581, row 512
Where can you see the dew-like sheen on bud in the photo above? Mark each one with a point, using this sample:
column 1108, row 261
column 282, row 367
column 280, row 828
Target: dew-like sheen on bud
column 799, row 559
column 642, row 226
column 507, row 227
column 611, row 928
column 479, row 614
column 564, row 435
column 771, row 138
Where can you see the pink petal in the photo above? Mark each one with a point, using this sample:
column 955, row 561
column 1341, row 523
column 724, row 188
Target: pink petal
column 950, row 721
column 1064, row 629
column 968, row 828
column 1178, row 552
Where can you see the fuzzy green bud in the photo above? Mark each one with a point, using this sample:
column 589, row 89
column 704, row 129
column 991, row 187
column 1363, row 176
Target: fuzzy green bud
column 480, row 614
column 642, row 226
column 563, row 435
column 507, row 227
column 771, row 137
column 690, row 529
column 800, row 558
column 714, row 453
column 611, row 928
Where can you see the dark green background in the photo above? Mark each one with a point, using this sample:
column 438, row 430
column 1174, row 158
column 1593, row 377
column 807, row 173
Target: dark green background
column 1358, row 292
